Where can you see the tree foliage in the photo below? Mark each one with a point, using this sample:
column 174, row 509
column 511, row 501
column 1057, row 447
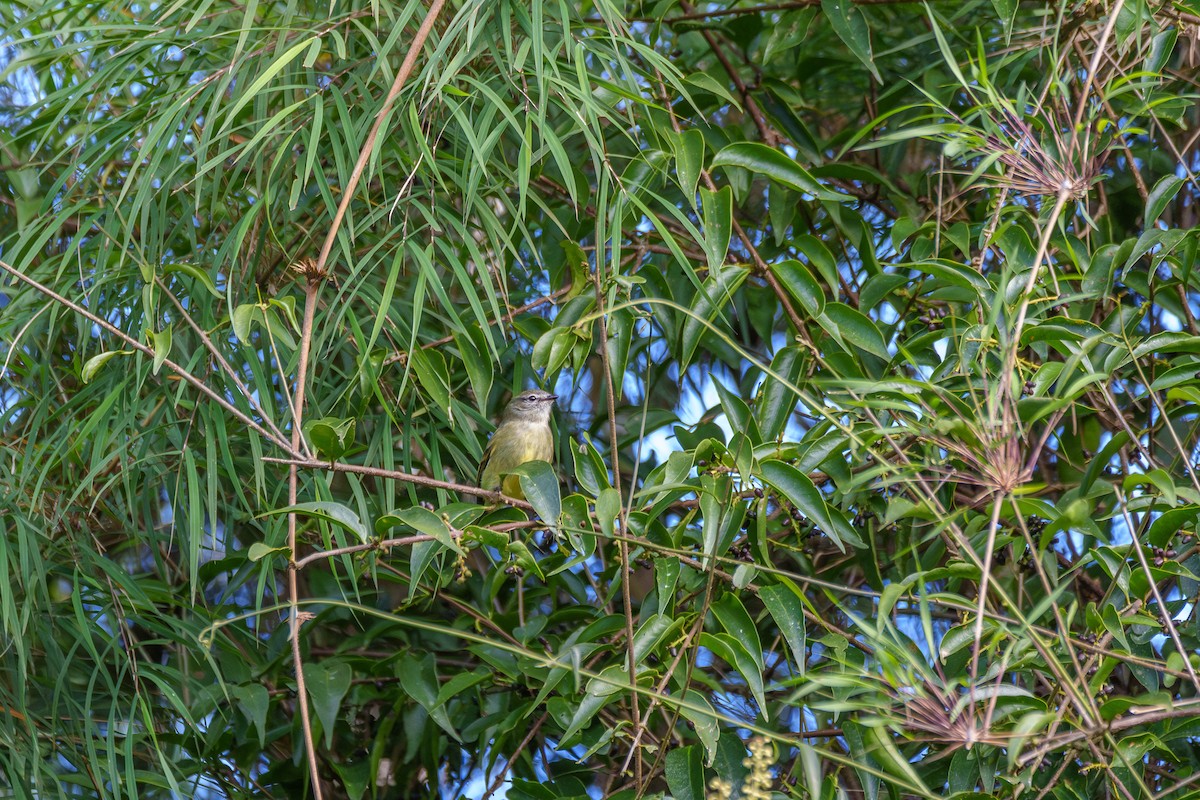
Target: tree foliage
column 875, row 330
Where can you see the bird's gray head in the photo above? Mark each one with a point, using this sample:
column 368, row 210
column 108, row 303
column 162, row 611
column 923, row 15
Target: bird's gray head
column 532, row 405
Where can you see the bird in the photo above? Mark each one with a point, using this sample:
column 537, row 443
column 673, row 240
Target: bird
column 523, row 435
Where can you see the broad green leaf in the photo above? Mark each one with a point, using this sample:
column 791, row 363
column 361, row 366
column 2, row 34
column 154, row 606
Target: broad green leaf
column 194, row 272
column 93, row 364
column 330, row 511
column 1160, row 196
column 796, row 278
column 327, row 683
column 773, row 164
column 712, row 300
column 434, row 376
column 706, row 82
column 254, row 701
column 608, row 508
column 777, row 401
column 737, row 654
column 851, row 325
column 259, row 550
column 685, row 773
column 422, row 520
column 787, row 609
column 799, row 490
column 849, row 23
column 697, row 710
column 539, row 483
column 590, row 469
column 419, row 679
column 332, row 436
column 738, row 623
column 689, row 161
column 718, row 224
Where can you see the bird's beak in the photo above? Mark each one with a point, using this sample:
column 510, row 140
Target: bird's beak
column 552, row 397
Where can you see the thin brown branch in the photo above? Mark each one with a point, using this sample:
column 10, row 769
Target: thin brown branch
column 315, row 274
column 765, row 132
column 312, row 288
column 405, row 477
column 622, row 545
column 1163, row 611
column 225, row 366
column 1134, row 719
column 385, row 544
column 183, row 374
column 406, row 68
column 537, row 726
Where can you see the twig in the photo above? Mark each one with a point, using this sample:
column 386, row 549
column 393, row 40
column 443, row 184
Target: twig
column 312, row 288
column 207, row 341
column 508, row 762
column 623, row 517
column 184, row 375
column 1163, row 611
column 364, row 154
column 316, row 274
column 404, row 477
column 764, row 130
column 321, row 555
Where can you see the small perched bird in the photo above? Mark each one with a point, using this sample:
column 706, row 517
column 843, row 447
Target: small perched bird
column 523, row 435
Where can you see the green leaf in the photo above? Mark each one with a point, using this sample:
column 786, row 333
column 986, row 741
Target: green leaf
column 787, row 609
column 422, row 520
column 800, row 283
column 327, row 683
column 738, row 623
column 736, row 653
column 259, row 550
column 773, row 164
column 819, row 258
column 777, row 401
column 254, row 701
column 539, row 482
column 242, row 317
column 608, row 508
column 434, row 376
column 523, row 557
column 801, row 493
column 651, row 633
column 697, row 710
column 851, row 325
column 1163, row 192
column 737, row 411
column 419, row 679
column 194, row 272
column 273, row 68
column 850, row 25
column 689, row 161
column 331, row 436
column 93, row 364
column 553, row 348
column 707, row 83
column 590, row 470
column 718, row 224
column 685, row 773
column 327, row 510
column 713, row 298
column 610, row 681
